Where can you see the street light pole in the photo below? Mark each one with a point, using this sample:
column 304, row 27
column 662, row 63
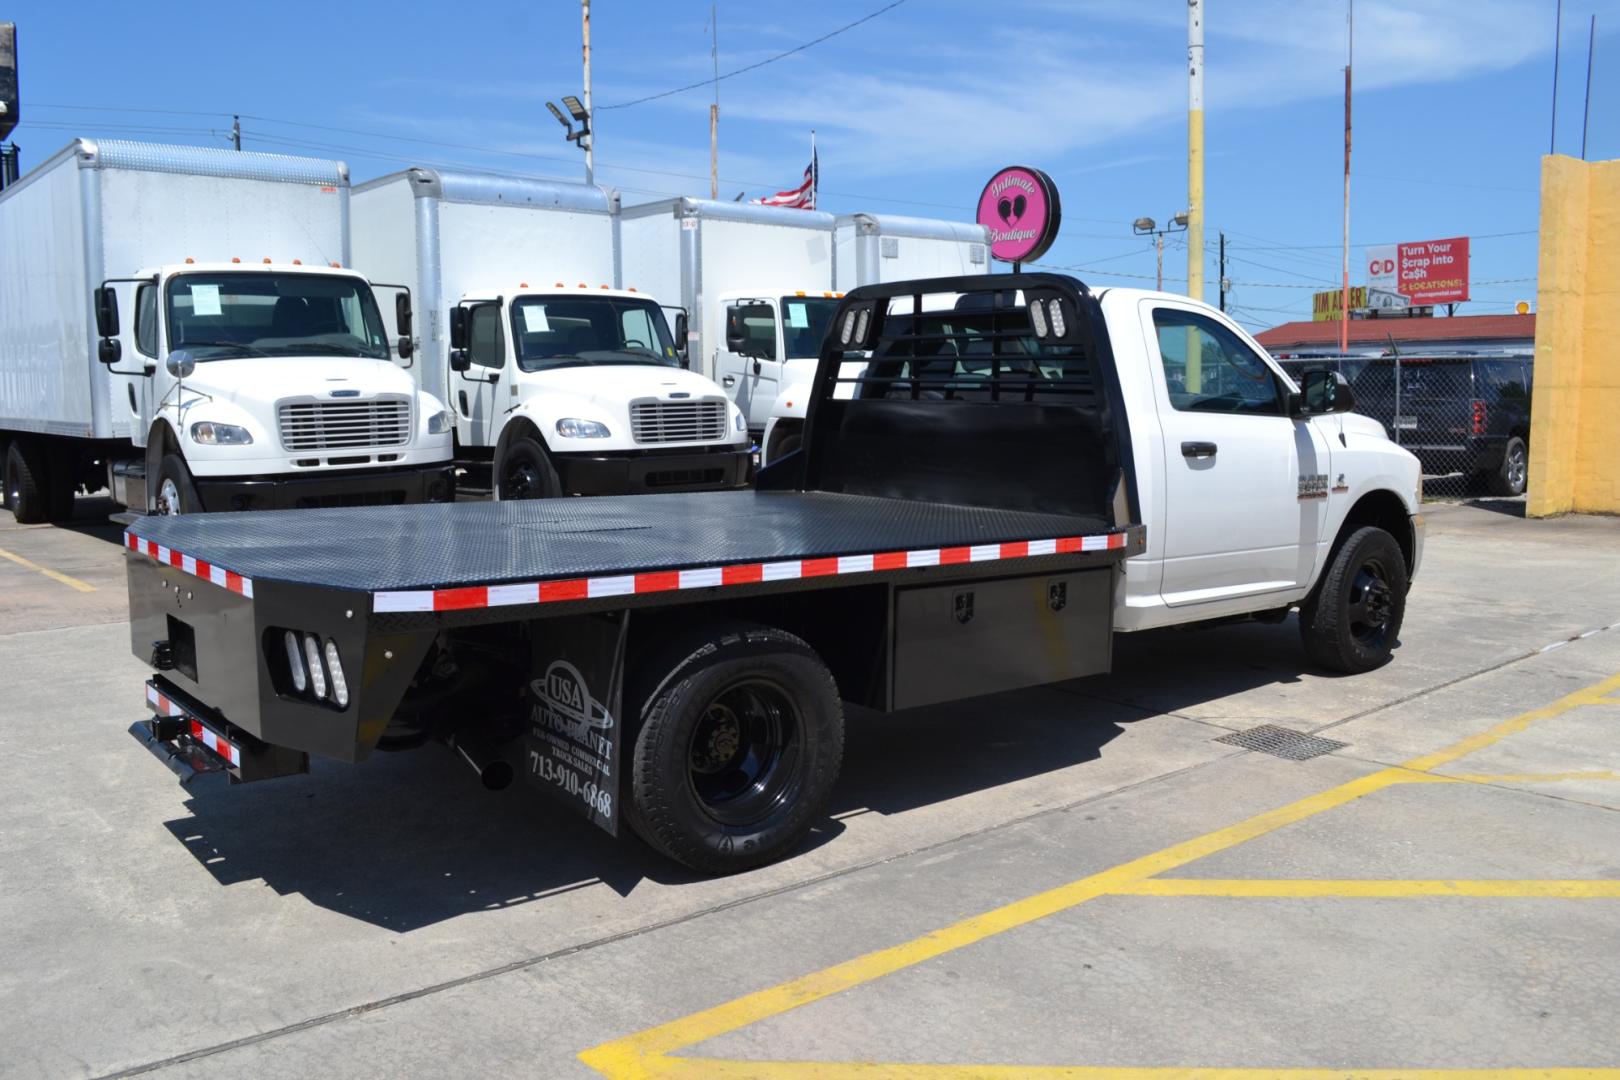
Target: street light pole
column 1146, row 226
column 590, row 140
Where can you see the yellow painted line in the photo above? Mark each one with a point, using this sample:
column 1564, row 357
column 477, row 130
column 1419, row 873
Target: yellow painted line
column 54, row 575
column 1538, row 778
column 645, row 1053
column 1375, row 889
column 715, row 1069
column 1592, row 695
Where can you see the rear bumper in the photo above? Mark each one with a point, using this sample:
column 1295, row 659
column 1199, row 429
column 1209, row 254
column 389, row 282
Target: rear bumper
column 636, row 473
column 361, row 487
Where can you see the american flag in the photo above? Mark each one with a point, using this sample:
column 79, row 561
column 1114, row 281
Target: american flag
column 802, row 197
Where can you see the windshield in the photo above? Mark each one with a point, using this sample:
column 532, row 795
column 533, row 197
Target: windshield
column 228, row 315
column 804, row 324
column 556, row 332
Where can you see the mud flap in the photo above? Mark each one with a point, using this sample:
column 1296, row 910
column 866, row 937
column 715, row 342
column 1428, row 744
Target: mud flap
column 573, row 748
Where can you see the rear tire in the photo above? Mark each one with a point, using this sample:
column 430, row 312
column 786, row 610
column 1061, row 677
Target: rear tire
column 1512, row 475
column 1350, row 621
column 26, row 482
column 175, row 493
column 739, row 746
column 525, row 472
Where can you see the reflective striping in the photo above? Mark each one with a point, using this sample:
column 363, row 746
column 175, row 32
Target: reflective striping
column 198, row 568
column 647, row 582
column 163, row 705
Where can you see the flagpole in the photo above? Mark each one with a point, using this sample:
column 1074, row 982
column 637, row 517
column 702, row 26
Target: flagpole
column 815, row 173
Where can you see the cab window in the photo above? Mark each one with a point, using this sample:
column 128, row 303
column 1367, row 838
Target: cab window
column 488, row 343
column 1207, row 368
column 146, row 322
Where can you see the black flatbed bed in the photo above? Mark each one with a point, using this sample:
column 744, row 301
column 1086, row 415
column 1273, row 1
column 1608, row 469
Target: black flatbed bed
column 458, row 545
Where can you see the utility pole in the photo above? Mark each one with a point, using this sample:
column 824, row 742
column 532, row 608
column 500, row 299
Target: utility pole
column 1349, row 57
column 714, row 110
column 236, row 132
column 590, row 141
column 1223, row 283
column 1195, row 150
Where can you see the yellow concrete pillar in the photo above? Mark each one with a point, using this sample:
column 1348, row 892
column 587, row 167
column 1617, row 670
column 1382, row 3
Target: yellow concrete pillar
column 1575, row 407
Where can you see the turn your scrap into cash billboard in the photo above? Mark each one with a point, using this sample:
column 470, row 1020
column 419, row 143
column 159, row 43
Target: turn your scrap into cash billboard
column 1425, row 272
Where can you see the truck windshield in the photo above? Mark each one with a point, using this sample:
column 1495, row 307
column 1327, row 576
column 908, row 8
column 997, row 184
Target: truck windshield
column 554, row 332
column 804, row 324
column 227, row 315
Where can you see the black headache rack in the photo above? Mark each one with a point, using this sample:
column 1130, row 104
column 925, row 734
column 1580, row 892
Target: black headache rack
column 918, row 571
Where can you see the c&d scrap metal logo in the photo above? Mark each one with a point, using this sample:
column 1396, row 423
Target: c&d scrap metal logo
column 566, row 705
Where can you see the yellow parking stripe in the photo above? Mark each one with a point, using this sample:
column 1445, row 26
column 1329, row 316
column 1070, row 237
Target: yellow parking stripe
column 1375, row 889
column 645, row 1054
column 54, row 575
column 1539, row 778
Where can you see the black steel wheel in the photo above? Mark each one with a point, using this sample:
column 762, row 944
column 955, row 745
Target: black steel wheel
column 1353, row 618
column 1514, row 473
column 741, row 735
column 525, row 472
column 175, row 492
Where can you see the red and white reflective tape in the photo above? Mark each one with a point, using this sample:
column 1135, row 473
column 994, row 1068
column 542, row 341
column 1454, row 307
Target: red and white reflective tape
column 542, row 592
column 225, row 579
column 163, row 705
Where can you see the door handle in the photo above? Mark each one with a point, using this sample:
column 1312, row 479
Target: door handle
column 729, row 381
column 1198, row 449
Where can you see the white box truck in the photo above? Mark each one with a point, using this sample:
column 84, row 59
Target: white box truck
column 560, row 382
column 757, row 281
column 873, row 249
column 176, row 325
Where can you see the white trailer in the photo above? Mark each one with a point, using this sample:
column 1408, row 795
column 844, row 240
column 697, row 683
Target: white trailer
column 876, row 248
column 595, row 398
column 250, row 369
column 757, row 282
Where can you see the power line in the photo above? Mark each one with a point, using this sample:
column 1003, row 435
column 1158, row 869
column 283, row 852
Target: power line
column 755, row 66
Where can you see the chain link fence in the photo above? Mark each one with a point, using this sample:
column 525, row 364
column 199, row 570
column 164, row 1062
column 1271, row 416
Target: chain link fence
column 1466, row 417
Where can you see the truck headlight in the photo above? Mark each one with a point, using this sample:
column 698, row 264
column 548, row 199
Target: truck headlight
column 573, row 428
column 209, row 433
column 439, row 423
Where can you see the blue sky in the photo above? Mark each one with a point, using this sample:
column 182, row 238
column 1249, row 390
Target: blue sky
column 914, row 109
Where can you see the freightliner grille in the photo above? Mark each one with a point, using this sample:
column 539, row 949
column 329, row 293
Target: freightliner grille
column 332, row 425
column 678, row 421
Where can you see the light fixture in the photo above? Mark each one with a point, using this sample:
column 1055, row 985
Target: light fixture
column 575, row 109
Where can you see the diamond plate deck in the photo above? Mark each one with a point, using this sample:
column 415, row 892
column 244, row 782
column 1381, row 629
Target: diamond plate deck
column 461, row 544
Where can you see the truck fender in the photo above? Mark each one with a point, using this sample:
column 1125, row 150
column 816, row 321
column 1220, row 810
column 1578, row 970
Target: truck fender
column 518, row 425
column 1381, row 507
column 160, row 440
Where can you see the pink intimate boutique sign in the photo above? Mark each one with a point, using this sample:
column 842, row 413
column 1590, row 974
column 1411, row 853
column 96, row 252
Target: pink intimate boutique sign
column 1020, row 208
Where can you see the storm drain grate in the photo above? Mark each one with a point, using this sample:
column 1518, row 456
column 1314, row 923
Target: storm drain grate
column 1281, row 742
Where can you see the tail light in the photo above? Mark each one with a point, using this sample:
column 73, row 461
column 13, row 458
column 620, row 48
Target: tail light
column 1479, row 418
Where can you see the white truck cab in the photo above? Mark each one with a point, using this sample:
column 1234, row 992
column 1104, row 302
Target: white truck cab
column 583, row 391
column 267, row 387
column 772, row 339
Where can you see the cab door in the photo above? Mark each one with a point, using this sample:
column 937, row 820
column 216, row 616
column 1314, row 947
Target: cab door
column 1246, row 485
column 478, row 399
column 141, row 354
column 753, row 376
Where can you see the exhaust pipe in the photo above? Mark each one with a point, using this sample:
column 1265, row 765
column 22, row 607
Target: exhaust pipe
column 493, row 772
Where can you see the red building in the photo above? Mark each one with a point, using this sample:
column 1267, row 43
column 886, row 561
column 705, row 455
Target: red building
column 1461, row 333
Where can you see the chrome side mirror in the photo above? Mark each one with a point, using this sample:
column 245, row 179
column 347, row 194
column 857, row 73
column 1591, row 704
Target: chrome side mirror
column 180, row 364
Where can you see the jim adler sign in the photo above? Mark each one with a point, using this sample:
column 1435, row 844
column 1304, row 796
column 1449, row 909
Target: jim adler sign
column 1020, row 208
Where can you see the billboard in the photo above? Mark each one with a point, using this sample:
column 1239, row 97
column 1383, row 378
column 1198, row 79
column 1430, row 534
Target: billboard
column 10, row 110
column 1425, row 272
column 1364, row 301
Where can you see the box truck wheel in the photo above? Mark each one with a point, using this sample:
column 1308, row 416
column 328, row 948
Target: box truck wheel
column 740, row 742
column 27, row 491
column 525, row 472
column 175, row 493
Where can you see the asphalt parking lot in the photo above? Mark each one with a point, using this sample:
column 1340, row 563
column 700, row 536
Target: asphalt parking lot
column 1077, row 881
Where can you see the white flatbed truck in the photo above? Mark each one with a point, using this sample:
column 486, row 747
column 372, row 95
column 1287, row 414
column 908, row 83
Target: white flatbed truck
column 1021, row 468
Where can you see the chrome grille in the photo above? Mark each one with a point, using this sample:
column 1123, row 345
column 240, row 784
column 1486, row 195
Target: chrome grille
column 332, row 425
column 678, row 421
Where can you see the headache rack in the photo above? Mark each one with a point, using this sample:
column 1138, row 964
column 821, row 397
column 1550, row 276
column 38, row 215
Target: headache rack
column 994, row 391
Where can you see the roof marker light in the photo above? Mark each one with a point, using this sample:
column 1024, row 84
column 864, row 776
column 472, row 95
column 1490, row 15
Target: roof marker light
column 337, row 266
column 267, row 260
column 583, row 285
column 190, row 260
column 523, row 284
column 798, row 292
column 560, row 285
column 298, row 262
column 632, row 288
column 234, row 259
column 601, row 286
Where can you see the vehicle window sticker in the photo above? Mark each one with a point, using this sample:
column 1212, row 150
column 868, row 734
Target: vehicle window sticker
column 534, row 319
column 205, row 299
